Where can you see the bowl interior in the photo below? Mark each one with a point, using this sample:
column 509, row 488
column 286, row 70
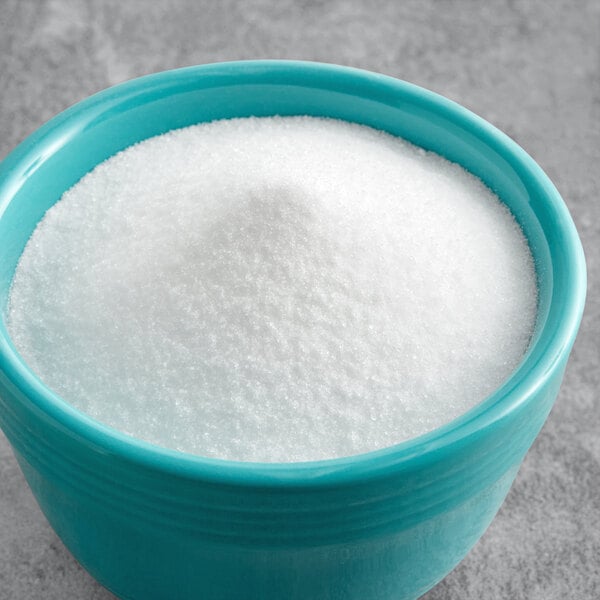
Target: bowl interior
column 35, row 175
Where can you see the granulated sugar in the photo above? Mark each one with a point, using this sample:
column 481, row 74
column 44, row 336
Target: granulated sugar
column 277, row 289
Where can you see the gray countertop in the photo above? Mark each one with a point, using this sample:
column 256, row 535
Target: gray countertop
column 532, row 68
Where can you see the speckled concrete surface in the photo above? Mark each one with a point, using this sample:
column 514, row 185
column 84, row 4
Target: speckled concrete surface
column 530, row 67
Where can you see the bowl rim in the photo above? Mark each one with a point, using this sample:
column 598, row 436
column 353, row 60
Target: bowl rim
column 524, row 382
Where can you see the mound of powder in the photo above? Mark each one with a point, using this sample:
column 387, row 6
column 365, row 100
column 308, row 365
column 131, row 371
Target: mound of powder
column 276, row 289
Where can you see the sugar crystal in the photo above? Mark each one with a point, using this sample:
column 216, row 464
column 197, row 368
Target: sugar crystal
column 275, row 289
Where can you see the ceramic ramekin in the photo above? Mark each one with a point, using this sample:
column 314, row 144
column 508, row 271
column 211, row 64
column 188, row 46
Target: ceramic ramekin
column 153, row 524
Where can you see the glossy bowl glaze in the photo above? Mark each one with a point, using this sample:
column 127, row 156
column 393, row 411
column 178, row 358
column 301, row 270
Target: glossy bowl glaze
column 151, row 523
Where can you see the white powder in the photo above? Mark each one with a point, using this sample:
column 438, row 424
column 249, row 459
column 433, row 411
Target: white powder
column 277, row 289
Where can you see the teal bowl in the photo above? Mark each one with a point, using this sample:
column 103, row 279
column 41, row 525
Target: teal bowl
column 151, row 523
